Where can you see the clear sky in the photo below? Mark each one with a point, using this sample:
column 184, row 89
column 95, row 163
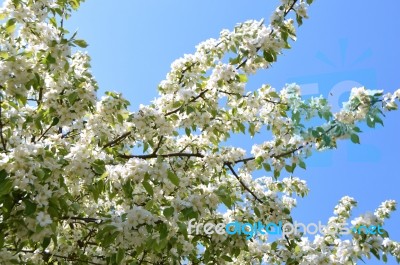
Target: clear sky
column 343, row 44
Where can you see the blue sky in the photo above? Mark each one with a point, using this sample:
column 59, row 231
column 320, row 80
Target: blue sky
column 343, row 44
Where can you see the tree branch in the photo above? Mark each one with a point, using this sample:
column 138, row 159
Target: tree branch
column 158, row 145
column 258, row 48
column 242, row 183
column 117, row 140
column 290, row 8
column 84, row 219
column 48, row 255
column 232, row 94
column 190, row 101
column 44, row 133
column 153, row 155
column 142, row 258
column 3, row 141
column 244, row 160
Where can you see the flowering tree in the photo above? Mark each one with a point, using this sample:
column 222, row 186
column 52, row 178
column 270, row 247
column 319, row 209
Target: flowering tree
column 85, row 181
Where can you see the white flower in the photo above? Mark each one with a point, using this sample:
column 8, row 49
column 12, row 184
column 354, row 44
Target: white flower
column 365, row 219
column 387, row 242
column 277, row 17
column 302, row 9
column 397, row 94
column 43, row 219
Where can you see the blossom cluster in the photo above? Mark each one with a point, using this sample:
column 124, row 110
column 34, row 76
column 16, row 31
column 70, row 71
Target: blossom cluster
column 83, row 180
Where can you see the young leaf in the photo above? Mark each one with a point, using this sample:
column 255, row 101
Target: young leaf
column 81, row 43
column 355, row 139
column 173, row 178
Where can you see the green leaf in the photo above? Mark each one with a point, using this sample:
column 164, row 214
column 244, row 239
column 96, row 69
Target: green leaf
column 277, row 173
column 290, row 168
column 302, row 164
column 6, row 184
column 190, row 109
column 355, row 139
column 30, row 207
column 226, row 200
column 21, row 99
column 299, row 20
column 234, row 60
column 49, row 59
column 73, row 97
column 327, row 140
column 187, row 131
column 105, row 230
column 55, row 121
column 145, row 147
column 2, row 239
column 163, row 231
column 267, row 167
column 109, row 239
column 10, row 25
column 296, row 117
column 63, row 204
column 252, row 129
column 227, row 258
column 127, row 188
column 46, row 242
column 168, row 212
column 370, row 121
column 273, row 94
column 223, row 195
column 378, row 120
column 257, row 212
column 148, row 188
column 242, row 128
column 189, row 213
column 242, row 78
column 173, row 178
column 99, row 166
column 259, row 160
column 268, row 57
column 375, row 253
column 81, row 43
column 297, row 249
column 3, row 55
column 274, row 245
column 75, row 4
column 120, row 255
column 53, row 22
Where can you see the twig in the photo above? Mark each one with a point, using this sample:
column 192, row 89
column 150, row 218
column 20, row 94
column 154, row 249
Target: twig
column 3, row 141
column 142, row 258
column 258, row 48
column 164, row 155
column 242, row 183
column 117, row 140
column 158, row 145
column 85, row 219
column 48, row 254
column 190, row 101
column 44, row 133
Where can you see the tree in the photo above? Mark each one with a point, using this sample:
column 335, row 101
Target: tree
column 85, row 181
